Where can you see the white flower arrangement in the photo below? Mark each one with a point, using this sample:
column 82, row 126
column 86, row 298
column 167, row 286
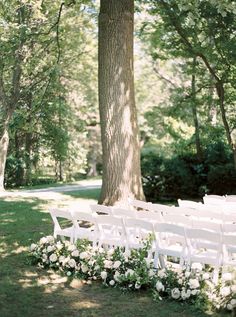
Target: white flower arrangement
column 132, row 270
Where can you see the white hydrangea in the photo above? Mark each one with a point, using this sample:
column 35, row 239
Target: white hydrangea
column 112, row 282
column 108, row 264
column 117, row 264
column 161, row 273
column 84, row 268
column 197, row 266
column 227, row 277
column 43, row 240
column 103, row 275
column 50, row 248
column 159, row 286
column 175, row 293
column 50, row 239
column 75, row 253
column 116, row 276
column 225, row 291
column 33, row 247
column 71, row 247
column 72, row 263
column 193, row 283
column 205, row 276
column 53, row 257
column 84, row 255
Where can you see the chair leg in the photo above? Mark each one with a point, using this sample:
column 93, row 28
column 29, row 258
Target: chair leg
column 215, row 276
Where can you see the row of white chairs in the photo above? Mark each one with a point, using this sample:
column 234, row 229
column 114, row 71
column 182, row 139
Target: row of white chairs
column 186, row 243
column 189, row 217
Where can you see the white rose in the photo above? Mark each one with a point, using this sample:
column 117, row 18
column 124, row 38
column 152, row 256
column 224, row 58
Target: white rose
column 151, row 273
column 71, row 247
column 225, row 291
column 108, row 264
column 50, row 239
column 229, row 307
column 116, row 264
column 187, row 274
column 159, row 286
column 161, row 273
column 61, row 258
column 183, row 294
column 43, row 240
column 175, row 293
column 33, row 247
column 233, row 302
column 53, row 257
column 50, row 248
column 75, row 253
column 227, row 277
column 205, row 276
column 197, row 266
column 84, row 268
column 137, row 286
column 68, row 273
column 193, row 283
column 233, row 288
column 110, row 252
column 116, row 276
column 84, row 255
column 59, row 245
column 180, row 281
column 194, row 292
column 72, row 263
column 103, row 275
column 112, row 282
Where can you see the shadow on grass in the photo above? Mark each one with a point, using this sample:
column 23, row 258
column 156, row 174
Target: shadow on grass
column 85, row 194
column 27, row 291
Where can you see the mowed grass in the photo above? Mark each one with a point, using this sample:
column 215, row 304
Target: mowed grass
column 27, row 291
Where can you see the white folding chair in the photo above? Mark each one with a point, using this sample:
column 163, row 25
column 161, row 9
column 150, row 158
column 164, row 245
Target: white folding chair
column 137, row 231
column 150, row 216
column 101, row 209
column 85, row 226
column 205, row 247
column 229, row 249
column 230, row 198
column 123, row 213
column 160, row 208
column 213, row 200
column 170, row 242
column 188, row 203
column 111, row 231
column 177, row 219
column 139, row 204
column 60, row 229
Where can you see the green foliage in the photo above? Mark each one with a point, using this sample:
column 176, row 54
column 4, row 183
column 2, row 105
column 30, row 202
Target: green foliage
column 185, row 176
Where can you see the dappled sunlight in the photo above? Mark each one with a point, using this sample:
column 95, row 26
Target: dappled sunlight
column 20, row 250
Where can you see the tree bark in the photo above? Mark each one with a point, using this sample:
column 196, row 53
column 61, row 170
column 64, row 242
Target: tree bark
column 119, row 129
column 4, row 141
column 194, row 112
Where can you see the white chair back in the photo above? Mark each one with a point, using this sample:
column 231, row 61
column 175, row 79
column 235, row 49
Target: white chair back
column 85, row 226
column 101, row 209
column 60, row 230
column 123, row 213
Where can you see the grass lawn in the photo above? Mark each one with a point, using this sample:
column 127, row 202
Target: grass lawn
column 27, row 291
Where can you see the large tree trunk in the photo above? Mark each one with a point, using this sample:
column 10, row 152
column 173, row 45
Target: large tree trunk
column 119, row 129
column 4, row 141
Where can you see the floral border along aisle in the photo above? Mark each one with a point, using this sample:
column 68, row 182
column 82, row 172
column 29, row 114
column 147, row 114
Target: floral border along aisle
column 133, row 270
